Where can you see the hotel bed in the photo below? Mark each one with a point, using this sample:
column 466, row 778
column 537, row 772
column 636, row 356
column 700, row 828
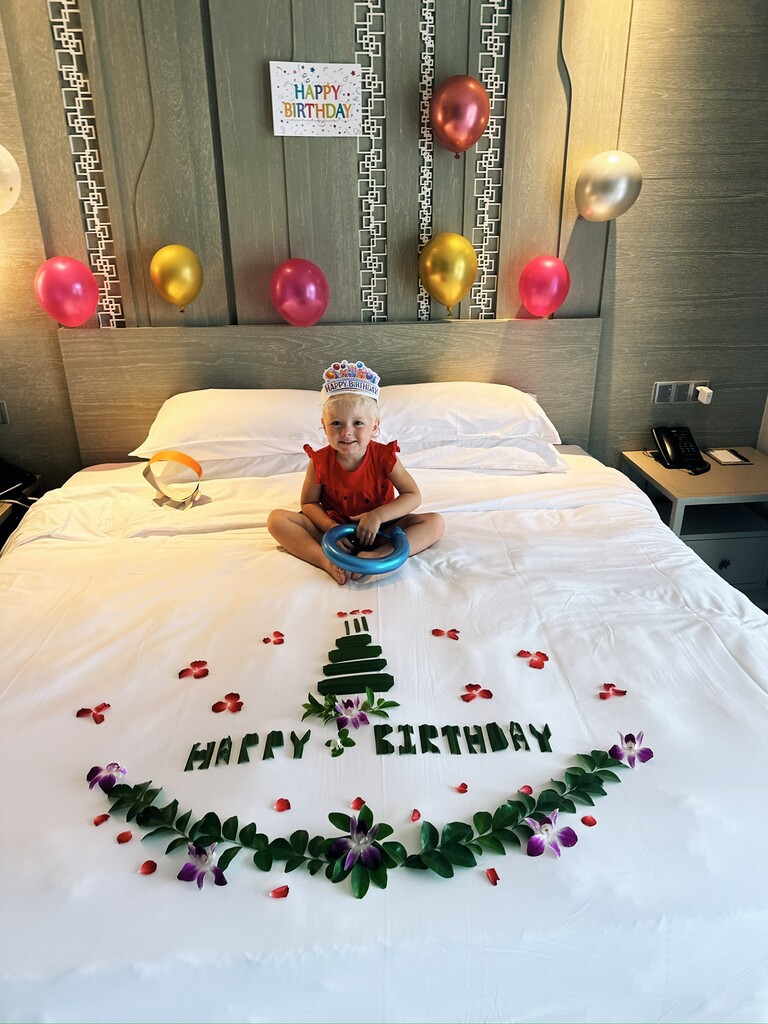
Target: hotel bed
column 558, row 649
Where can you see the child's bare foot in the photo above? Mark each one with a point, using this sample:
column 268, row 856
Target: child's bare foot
column 335, row 572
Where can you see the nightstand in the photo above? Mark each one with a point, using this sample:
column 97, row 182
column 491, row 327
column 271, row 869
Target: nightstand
column 722, row 514
column 11, row 513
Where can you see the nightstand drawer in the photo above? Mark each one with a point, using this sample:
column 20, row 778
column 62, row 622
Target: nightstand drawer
column 740, row 560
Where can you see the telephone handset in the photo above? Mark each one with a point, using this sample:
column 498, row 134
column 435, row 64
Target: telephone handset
column 678, row 450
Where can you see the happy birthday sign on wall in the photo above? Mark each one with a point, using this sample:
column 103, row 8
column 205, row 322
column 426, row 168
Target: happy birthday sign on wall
column 316, row 99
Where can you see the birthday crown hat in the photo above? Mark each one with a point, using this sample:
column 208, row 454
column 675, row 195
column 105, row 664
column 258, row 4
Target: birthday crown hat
column 350, row 378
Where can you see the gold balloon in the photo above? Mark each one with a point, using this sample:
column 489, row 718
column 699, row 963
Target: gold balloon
column 176, row 274
column 608, row 185
column 447, row 268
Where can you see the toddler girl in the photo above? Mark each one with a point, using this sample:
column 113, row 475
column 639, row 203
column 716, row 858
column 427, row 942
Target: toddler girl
column 353, row 479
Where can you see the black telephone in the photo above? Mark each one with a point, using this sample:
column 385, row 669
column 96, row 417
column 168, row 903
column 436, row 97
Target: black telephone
column 678, row 450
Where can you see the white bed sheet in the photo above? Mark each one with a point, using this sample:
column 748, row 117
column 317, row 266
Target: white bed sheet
column 658, row 913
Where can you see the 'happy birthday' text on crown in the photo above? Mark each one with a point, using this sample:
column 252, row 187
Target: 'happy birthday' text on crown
column 349, row 378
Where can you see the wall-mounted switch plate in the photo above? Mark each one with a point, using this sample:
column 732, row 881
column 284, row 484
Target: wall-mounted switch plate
column 677, row 391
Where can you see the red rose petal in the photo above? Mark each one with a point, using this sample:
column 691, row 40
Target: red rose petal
column 84, row 713
column 280, row 892
column 472, row 686
column 341, row 615
column 282, row 804
column 200, row 673
column 357, row 803
column 367, row 611
column 278, row 640
column 438, row 632
column 98, row 719
column 198, row 664
column 102, row 707
column 588, row 820
column 100, row 819
column 536, row 662
column 525, row 789
column 220, row 705
column 608, row 686
column 487, row 694
column 453, row 634
column 415, row 815
column 277, row 633
column 542, row 655
column 266, row 640
column 125, row 837
column 355, row 611
column 462, row 787
column 149, row 867
column 493, row 875
column 523, row 654
column 619, row 693
column 235, row 706
column 605, row 696
column 185, row 672
column 468, row 696
column 231, row 696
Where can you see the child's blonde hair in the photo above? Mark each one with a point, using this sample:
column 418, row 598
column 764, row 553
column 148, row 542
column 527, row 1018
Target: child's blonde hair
column 336, row 403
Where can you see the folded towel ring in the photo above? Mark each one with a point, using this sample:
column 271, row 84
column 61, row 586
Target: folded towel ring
column 366, row 566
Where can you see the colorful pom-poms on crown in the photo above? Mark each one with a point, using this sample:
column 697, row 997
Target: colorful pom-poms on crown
column 350, row 377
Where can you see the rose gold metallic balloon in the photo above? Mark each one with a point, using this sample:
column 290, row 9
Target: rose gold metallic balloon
column 459, row 112
column 608, row 185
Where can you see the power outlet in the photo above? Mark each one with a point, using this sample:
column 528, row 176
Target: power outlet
column 676, row 392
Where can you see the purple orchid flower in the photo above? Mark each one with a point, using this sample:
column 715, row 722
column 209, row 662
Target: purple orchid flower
column 632, row 748
column 546, row 833
column 350, row 715
column 106, row 778
column 359, row 846
column 200, row 862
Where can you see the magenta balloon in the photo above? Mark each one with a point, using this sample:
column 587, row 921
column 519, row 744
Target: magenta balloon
column 299, row 292
column 459, row 112
column 544, row 284
column 67, row 290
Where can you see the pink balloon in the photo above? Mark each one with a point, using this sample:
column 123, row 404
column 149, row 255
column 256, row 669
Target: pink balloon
column 459, row 112
column 67, row 290
column 544, row 284
column 299, row 292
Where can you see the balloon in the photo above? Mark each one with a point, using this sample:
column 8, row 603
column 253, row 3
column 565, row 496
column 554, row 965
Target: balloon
column 299, row 292
column 396, row 557
column 67, row 290
column 10, row 180
column 176, row 274
column 459, row 110
column 544, row 284
column 447, row 268
column 608, row 185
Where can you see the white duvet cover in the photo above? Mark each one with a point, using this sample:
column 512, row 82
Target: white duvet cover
column 658, row 912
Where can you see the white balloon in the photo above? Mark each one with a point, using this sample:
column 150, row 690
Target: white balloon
column 608, row 185
column 10, row 180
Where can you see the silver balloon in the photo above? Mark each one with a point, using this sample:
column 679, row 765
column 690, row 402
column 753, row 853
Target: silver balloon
column 608, row 185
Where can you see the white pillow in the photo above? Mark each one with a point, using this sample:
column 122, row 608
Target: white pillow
column 521, row 456
column 239, row 432
column 423, row 416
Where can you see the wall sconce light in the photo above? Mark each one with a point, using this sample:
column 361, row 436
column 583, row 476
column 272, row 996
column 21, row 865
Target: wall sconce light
column 10, row 180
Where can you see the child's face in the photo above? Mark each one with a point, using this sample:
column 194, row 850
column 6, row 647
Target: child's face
column 349, row 425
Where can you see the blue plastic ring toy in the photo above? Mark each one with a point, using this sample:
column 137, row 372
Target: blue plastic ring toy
column 366, row 566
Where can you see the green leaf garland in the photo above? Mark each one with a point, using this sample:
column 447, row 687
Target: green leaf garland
column 458, row 845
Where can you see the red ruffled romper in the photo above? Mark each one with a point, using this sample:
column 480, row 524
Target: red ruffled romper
column 346, row 494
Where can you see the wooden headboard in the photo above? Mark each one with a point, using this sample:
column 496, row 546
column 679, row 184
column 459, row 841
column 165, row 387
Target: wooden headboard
column 119, row 378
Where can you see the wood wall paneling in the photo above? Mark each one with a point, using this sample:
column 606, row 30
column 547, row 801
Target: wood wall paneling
column 246, row 36
column 536, row 125
column 40, row 435
column 118, row 379
column 594, row 46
